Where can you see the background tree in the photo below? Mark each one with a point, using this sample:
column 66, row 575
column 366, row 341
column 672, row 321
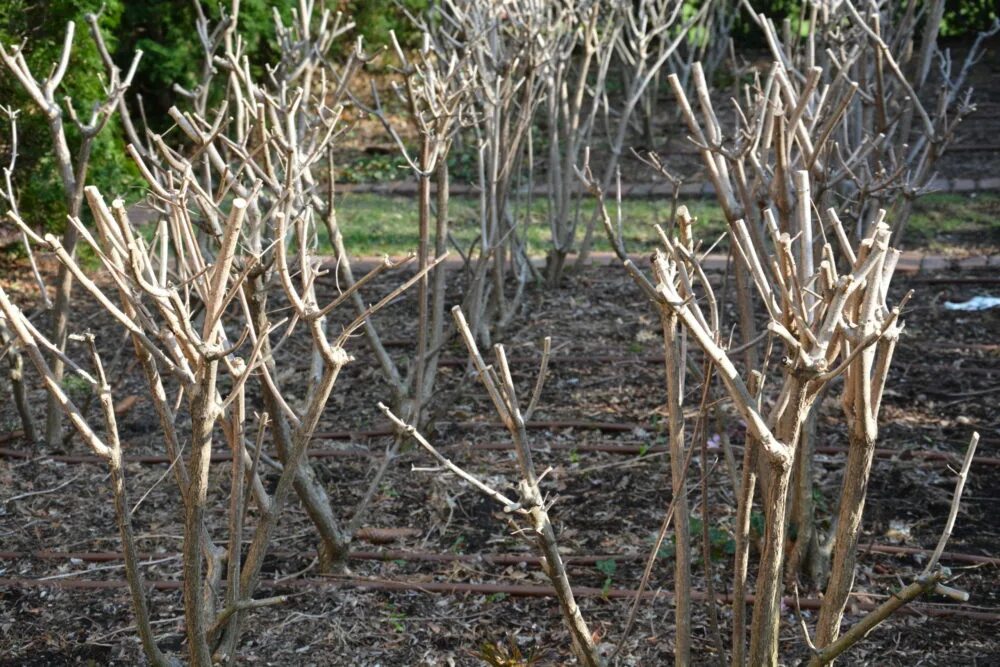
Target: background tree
column 41, row 26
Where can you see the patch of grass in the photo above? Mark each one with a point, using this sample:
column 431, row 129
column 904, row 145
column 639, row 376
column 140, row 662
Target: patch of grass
column 373, row 168
column 943, row 221
column 375, row 224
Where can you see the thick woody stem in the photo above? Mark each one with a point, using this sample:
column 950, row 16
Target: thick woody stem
column 204, row 413
column 439, row 291
column 123, row 515
column 742, row 549
column 861, row 411
column 552, row 564
column 674, row 368
column 261, row 539
column 234, row 428
column 333, row 541
column 16, row 376
column 706, row 544
column 805, row 555
column 805, row 558
column 424, row 207
column 838, row 589
column 300, row 441
column 766, row 612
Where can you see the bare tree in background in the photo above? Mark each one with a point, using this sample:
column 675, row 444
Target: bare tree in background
column 507, row 46
column 437, row 91
column 10, row 348
column 651, row 32
column 902, row 97
column 576, row 81
column 709, row 42
column 72, row 168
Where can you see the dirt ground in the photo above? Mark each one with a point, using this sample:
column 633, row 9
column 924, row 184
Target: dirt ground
column 944, row 384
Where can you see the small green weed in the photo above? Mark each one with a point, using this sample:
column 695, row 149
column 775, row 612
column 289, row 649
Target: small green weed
column 76, row 386
column 396, row 619
column 607, row 568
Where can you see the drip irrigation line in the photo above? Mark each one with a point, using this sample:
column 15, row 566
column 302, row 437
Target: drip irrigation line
column 11, row 435
column 357, row 452
column 458, row 588
column 492, row 559
column 584, row 358
column 892, row 550
column 533, row 361
column 640, row 450
column 384, row 555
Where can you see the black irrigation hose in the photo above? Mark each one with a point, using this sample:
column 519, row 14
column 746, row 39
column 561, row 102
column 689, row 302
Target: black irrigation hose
column 459, row 588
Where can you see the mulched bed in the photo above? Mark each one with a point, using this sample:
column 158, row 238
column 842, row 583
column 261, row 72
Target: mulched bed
column 945, row 383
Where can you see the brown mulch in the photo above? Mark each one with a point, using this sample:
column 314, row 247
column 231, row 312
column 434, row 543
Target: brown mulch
column 605, row 503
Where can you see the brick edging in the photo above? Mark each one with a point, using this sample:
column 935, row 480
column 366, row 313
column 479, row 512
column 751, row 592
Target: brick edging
column 911, row 262
column 701, row 190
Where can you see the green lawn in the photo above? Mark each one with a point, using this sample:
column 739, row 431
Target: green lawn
column 946, row 221
column 375, row 224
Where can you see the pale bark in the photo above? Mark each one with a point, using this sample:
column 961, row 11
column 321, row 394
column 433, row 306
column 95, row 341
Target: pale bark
column 682, row 531
column 72, row 171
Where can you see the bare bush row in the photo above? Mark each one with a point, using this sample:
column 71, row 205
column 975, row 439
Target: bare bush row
column 829, row 146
